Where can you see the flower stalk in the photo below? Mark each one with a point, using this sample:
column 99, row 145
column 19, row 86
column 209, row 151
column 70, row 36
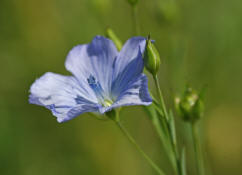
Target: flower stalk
column 172, row 140
column 146, row 157
column 114, row 115
column 197, row 148
column 161, row 99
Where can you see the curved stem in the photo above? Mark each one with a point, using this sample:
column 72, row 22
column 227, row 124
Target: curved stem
column 197, row 149
column 131, row 139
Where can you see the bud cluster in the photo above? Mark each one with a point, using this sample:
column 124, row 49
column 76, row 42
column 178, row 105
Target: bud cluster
column 190, row 106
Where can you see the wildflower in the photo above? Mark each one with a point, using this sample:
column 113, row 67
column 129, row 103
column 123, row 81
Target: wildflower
column 103, row 79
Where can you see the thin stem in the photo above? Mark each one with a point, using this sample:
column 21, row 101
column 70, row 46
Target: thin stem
column 164, row 110
column 131, row 139
column 178, row 162
column 197, row 149
column 176, row 154
column 162, row 103
column 135, row 20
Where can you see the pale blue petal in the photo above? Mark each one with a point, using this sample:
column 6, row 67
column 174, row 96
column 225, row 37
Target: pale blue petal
column 128, row 65
column 93, row 61
column 76, row 111
column 65, row 96
column 130, row 51
column 135, row 93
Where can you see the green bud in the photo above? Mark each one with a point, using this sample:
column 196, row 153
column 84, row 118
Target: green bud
column 151, row 58
column 111, row 35
column 133, row 2
column 190, row 106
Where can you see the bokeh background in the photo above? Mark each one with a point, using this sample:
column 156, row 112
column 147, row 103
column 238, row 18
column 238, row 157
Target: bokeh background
column 199, row 42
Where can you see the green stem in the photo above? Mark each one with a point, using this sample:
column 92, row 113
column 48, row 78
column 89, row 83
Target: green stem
column 164, row 110
column 176, row 153
column 162, row 103
column 135, row 20
column 178, row 162
column 197, row 149
column 131, row 139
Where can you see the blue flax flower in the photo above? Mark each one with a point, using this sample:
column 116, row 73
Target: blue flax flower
column 103, row 79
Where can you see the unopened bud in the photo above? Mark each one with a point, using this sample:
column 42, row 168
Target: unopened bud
column 111, row 35
column 190, row 106
column 151, row 58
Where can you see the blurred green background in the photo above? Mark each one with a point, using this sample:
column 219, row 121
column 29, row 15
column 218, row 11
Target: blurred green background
column 200, row 43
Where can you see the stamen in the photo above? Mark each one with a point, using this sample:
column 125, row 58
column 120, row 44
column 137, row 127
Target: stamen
column 107, row 103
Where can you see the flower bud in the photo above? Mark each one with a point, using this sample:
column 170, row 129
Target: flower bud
column 151, row 58
column 190, row 106
column 111, row 35
column 133, row 2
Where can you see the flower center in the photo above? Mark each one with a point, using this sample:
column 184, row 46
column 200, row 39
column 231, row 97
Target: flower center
column 103, row 99
column 107, row 103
